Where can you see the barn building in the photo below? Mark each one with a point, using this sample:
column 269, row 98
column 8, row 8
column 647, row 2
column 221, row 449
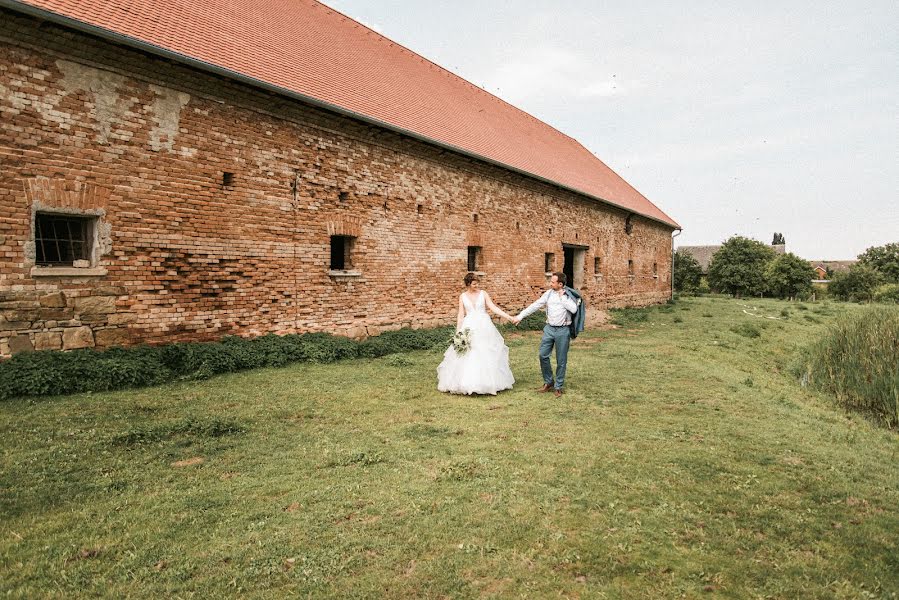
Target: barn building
column 177, row 171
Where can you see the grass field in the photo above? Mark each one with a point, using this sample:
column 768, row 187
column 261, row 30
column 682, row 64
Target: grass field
column 683, row 461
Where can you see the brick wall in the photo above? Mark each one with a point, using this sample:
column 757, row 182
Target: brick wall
column 140, row 145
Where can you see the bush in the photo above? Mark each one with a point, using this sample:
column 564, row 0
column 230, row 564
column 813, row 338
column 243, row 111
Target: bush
column 403, row 340
column 533, row 322
column 855, row 285
column 789, row 276
column 54, row 372
column 887, row 294
column 883, row 259
column 687, row 272
column 856, row 361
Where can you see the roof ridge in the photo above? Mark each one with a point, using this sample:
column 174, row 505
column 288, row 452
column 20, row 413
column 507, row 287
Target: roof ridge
column 443, row 70
column 315, row 53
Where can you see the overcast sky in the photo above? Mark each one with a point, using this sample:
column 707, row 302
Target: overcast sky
column 733, row 117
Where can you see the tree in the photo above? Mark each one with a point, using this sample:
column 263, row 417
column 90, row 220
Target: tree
column 857, row 284
column 789, row 276
column 687, row 272
column 738, row 268
column 778, row 239
column 884, row 259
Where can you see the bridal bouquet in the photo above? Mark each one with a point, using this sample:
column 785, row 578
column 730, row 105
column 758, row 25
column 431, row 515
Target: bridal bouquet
column 461, row 341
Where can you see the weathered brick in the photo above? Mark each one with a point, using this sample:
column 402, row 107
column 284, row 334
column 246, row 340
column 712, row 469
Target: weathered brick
column 8, row 326
column 47, row 314
column 122, row 318
column 20, row 343
column 77, row 337
column 188, row 258
column 22, row 315
column 53, row 300
column 95, row 305
column 112, row 337
column 110, row 290
column 47, row 340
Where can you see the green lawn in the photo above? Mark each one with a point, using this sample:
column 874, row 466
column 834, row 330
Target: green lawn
column 683, row 461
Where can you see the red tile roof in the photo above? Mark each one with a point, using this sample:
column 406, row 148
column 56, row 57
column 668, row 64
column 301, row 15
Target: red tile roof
column 305, row 48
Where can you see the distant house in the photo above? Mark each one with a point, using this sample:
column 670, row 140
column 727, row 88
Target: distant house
column 703, row 254
column 823, row 267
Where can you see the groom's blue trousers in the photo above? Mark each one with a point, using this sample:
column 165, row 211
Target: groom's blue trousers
column 560, row 337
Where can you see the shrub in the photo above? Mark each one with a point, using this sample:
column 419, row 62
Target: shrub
column 789, row 276
column 533, row 322
column 883, row 259
column 687, row 272
column 54, row 372
column 856, row 361
column 403, row 340
column 855, row 285
column 888, row 294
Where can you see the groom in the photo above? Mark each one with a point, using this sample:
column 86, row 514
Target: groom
column 560, row 309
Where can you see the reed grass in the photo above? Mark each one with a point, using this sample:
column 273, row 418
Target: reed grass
column 857, row 360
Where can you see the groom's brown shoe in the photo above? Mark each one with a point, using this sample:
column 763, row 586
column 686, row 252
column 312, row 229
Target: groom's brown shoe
column 547, row 387
column 558, row 393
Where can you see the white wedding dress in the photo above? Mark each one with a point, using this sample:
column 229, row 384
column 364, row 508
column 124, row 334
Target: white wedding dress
column 484, row 369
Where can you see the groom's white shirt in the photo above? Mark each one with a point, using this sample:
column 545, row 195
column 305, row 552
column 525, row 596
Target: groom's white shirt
column 558, row 308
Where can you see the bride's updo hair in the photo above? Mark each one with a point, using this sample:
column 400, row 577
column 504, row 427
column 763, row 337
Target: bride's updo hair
column 469, row 278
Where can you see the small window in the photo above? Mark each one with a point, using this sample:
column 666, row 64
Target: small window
column 655, row 270
column 475, row 217
column 227, row 179
column 343, row 197
column 549, row 262
column 341, row 252
column 474, row 258
column 630, row 268
column 60, row 240
column 419, row 208
column 628, row 225
column 597, row 263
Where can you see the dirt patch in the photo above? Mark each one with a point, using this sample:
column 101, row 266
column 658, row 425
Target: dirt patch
column 84, row 554
column 189, row 462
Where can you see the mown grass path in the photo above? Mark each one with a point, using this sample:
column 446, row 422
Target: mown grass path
column 683, row 461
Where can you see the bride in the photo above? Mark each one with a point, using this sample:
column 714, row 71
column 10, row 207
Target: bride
column 484, row 368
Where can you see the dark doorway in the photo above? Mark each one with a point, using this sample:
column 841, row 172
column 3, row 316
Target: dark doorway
column 574, row 264
column 568, row 269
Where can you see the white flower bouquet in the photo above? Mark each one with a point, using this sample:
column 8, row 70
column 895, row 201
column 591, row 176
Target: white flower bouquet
column 461, row 341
